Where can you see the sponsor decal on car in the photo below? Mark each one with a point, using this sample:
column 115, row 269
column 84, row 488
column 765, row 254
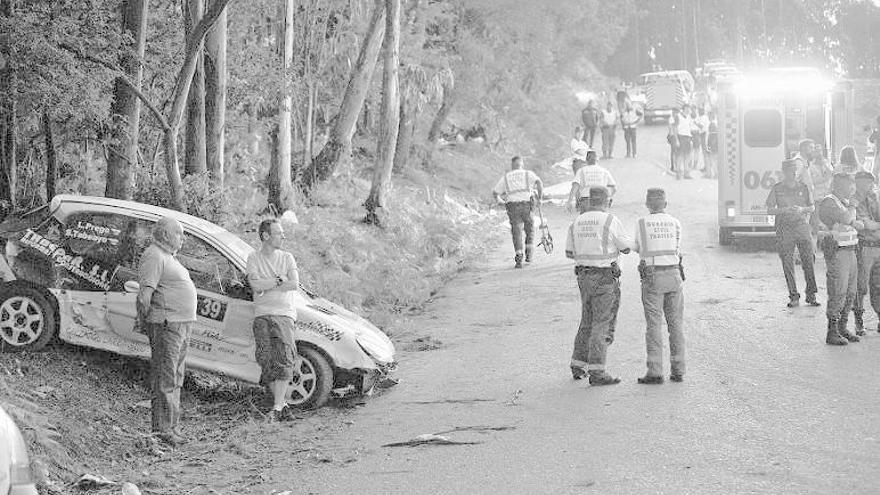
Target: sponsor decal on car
column 87, row 269
column 95, row 233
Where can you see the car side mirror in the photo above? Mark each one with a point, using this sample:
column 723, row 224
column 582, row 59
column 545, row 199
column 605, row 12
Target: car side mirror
column 131, row 286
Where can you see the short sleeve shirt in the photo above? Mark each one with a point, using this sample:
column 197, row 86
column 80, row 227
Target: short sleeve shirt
column 174, row 294
column 593, row 176
column 517, row 185
column 785, row 196
column 272, row 302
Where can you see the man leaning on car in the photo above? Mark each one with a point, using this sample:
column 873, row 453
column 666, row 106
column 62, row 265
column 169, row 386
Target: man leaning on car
column 273, row 275
column 166, row 306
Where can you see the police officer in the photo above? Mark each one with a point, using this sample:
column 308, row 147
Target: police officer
column 594, row 240
column 839, row 241
column 791, row 202
column 590, row 175
column 868, row 253
column 658, row 242
column 515, row 190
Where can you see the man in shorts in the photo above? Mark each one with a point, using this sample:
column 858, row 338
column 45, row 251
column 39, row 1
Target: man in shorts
column 273, row 276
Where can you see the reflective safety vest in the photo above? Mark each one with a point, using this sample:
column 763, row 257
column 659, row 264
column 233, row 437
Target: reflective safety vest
column 516, row 185
column 659, row 239
column 592, row 176
column 592, row 244
column 844, row 235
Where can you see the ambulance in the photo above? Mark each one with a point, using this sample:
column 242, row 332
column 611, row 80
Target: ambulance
column 761, row 119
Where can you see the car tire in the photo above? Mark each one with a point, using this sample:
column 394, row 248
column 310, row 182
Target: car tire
column 27, row 318
column 312, row 381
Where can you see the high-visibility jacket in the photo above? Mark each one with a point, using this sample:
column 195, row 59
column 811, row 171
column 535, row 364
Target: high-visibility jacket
column 516, row 185
column 843, row 234
column 595, row 239
column 593, row 176
column 658, row 239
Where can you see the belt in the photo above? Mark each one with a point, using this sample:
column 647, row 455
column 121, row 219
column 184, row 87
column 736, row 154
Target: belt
column 841, row 248
column 584, row 268
column 664, row 267
column 866, row 243
column 517, row 202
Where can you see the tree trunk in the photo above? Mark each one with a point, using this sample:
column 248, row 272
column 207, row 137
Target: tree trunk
column 8, row 116
column 122, row 157
column 390, row 114
column 442, row 114
column 339, row 141
column 309, row 131
column 215, row 98
column 195, row 156
column 280, row 186
column 404, row 136
column 51, row 165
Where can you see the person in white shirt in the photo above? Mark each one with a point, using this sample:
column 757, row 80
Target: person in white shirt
column 684, row 151
column 589, row 175
column 658, row 242
column 629, row 121
column 516, row 189
column 273, row 276
column 609, row 120
column 594, row 240
column 578, row 145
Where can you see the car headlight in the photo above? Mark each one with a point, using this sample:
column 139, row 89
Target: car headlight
column 376, row 344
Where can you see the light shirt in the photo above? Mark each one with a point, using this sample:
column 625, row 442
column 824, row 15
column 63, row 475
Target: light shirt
column 629, row 119
column 578, row 146
column 595, row 239
column 609, row 118
column 658, row 239
column 806, row 174
column 516, row 185
column 174, row 294
column 263, row 272
column 593, row 176
column 683, row 128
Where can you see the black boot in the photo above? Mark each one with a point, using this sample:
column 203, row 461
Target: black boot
column 834, row 338
column 529, row 250
column 518, row 259
column 860, row 323
column 841, row 329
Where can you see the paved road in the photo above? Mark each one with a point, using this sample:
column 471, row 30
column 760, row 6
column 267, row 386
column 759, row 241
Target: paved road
column 766, row 407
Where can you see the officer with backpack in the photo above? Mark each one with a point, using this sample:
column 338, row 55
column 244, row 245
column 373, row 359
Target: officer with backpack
column 590, row 119
column 515, row 190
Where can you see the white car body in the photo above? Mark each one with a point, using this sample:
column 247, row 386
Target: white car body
column 96, row 299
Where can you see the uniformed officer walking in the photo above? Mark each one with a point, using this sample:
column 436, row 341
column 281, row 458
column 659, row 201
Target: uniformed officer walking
column 839, row 241
column 590, row 175
column 515, row 189
column 595, row 239
column 868, row 253
column 658, row 242
column 791, row 202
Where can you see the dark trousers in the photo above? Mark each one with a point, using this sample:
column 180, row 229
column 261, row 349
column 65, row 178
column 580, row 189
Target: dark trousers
column 520, row 216
column 600, row 301
column 608, row 134
column 629, row 135
column 589, row 135
column 168, row 343
column 788, row 239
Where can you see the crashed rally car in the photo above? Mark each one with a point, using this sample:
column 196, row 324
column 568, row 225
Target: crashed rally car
column 70, row 269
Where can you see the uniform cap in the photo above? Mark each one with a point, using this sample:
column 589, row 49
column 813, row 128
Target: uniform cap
column 864, row 174
column 598, row 195
column 656, row 193
column 588, row 151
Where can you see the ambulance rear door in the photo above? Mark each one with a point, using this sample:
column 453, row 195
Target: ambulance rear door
column 762, row 149
column 840, row 120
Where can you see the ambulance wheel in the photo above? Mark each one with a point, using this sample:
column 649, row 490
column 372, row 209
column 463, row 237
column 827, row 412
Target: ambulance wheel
column 725, row 236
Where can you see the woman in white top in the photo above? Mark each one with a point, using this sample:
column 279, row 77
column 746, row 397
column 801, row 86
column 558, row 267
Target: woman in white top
column 684, row 151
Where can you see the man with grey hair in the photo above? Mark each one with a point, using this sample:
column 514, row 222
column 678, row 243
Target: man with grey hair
column 166, row 305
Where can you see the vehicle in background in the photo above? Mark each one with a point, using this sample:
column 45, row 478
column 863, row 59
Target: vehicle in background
column 16, row 477
column 70, row 269
column 761, row 119
column 665, row 91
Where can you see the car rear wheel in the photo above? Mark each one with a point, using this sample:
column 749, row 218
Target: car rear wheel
column 312, row 380
column 27, row 319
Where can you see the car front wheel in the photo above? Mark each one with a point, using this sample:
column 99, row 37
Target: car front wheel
column 27, row 319
column 312, row 380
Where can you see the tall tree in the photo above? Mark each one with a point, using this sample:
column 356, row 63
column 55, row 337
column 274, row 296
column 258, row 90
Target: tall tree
column 122, row 156
column 390, row 114
column 339, row 142
column 215, row 97
column 280, row 185
column 8, row 112
column 51, row 160
column 195, row 161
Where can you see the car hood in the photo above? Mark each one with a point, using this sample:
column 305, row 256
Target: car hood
column 368, row 336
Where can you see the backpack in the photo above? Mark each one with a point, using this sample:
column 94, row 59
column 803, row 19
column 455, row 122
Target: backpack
column 588, row 117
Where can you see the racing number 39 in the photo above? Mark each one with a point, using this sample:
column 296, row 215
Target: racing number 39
column 753, row 180
column 211, row 308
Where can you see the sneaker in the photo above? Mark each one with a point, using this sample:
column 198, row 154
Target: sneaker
column 675, row 377
column 518, row 264
column 578, row 373
column 276, row 416
column 811, row 301
column 604, row 379
column 861, row 332
column 793, row 302
column 650, row 380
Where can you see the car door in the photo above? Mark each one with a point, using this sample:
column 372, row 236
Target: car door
column 135, row 236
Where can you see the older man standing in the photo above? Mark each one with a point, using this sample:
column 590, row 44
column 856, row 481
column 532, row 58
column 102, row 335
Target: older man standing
column 274, row 277
column 166, row 305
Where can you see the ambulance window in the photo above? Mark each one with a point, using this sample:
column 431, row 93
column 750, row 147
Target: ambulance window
column 763, row 128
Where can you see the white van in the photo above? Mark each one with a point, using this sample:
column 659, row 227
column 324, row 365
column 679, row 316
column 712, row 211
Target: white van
column 664, row 91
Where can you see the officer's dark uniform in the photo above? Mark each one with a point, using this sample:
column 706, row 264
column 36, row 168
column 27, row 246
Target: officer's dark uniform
column 793, row 230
